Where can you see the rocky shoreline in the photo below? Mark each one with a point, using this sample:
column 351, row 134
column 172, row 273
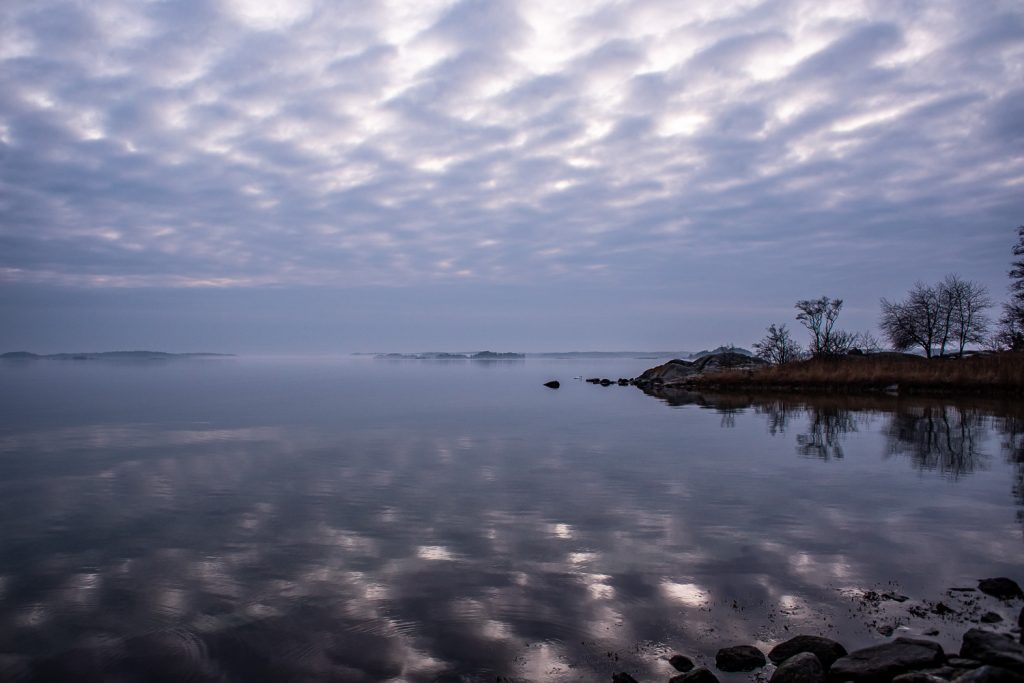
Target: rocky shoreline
column 984, row 656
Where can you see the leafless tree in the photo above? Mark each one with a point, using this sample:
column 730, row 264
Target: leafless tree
column 778, row 346
column 967, row 302
column 819, row 317
column 915, row 321
column 932, row 317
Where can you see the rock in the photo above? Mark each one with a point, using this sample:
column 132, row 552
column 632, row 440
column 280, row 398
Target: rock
column 1001, row 587
column 1020, row 624
column 623, row 382
column 700, row 675
column 606, row 382
column 885, row 630
column 883, row 662
column 990, row 618
column 676, row 370
column 993, row 648
column 990, row 674
column 919, row 677
column 804, row 667
column 961, row 663
column 727, row 361
column 594, row 380
column 826, row 650
column 681, row 663
column 623, row 677
column 739, row 658
column 553, row 384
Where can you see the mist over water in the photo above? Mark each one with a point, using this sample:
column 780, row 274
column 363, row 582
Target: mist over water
column 259, row 519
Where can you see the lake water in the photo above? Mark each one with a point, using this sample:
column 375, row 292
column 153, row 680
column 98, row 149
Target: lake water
column 307, row 519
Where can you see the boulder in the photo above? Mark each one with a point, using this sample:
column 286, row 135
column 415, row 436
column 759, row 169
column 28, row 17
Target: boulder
column 1000, row 587
column 994, row 649
column 990, row 674
column 919, row 677
column 990, row 618
column 739, row 658
column 883, row 662
column 606, row 382
column 826, row 650
column 699, row 675
column 804, row 667
column 553, row 384
column 623, row 677
column 681, row 663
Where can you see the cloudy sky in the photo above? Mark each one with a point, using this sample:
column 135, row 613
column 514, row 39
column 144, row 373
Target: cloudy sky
column 314, row 176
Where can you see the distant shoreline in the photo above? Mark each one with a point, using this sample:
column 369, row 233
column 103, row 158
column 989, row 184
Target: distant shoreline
column 109, row 355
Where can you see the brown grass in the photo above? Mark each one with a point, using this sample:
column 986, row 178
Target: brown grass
column 997, row 373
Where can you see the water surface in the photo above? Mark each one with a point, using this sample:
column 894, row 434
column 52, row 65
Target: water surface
column 303, row 519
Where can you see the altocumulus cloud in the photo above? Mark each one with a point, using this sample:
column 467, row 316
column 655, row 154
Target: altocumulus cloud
column 256, row 142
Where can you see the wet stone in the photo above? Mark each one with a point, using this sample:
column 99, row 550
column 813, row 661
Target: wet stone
column 825, row 649
column 739, row 658
column 993, row 648
column 883, row 662
column 990, row 618
column 804, row 667
column 623, row 677
column 1001, row 587
column 681, row 663
column 700, row 675
column 990, row 674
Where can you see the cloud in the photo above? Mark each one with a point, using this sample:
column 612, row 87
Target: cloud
column 310, row 143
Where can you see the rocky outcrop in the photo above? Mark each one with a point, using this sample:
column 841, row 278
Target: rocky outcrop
column 1001, row 587
column 993, row 648
column 678, row 371
column 700, row 675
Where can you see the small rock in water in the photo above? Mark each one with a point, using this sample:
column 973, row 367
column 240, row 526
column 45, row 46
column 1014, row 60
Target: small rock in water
column 826, row 650
column 1000, row 587
column 553, row 384
column 739, row 658
column 885, row 630
column 800, row 668
column 990, row 618
column 701, row 675
column 681, row 663
column 623, row 677
column 606, row 382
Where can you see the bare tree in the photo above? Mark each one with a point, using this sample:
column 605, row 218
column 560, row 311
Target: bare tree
column 914, row 322
column 967, row 302
column 951, row 313
column 778, row 346
column 819, row 317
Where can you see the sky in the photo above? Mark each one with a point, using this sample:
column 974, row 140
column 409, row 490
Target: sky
column 304, row 176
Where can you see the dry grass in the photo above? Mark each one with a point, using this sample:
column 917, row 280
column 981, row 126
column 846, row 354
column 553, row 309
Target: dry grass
column 1001, row 372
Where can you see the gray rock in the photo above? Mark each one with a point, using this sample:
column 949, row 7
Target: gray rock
column 740, row 658
column 606, row 382
column 990, row 618
column 623, row 677
column 1000, row 587
column 990, row 674
column 993, row 648
column 919, row 677
column 804, row 667
column 826, row 650
column 553, row 384
column 883, row 662
column 681, row 663
column 699, row 675
column 963, row 663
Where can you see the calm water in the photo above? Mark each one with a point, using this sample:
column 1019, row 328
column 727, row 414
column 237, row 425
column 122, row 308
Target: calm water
column 258, row 519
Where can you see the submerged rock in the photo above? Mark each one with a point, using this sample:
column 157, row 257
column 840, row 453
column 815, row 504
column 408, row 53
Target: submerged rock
column 1001, row 587
column 826, row 650
column 883, row 662
column 681, row 663
column 990, row 618
column 739, row 658
column 700, row 675
column 994, row 649
column 804, row 667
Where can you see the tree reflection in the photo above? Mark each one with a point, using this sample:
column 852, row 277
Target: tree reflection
column 940, row 437
column 1011, row 429
column 826, row 428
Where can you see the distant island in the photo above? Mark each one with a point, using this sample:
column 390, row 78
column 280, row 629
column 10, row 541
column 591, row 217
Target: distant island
column 480, row 355
column 108, row 355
